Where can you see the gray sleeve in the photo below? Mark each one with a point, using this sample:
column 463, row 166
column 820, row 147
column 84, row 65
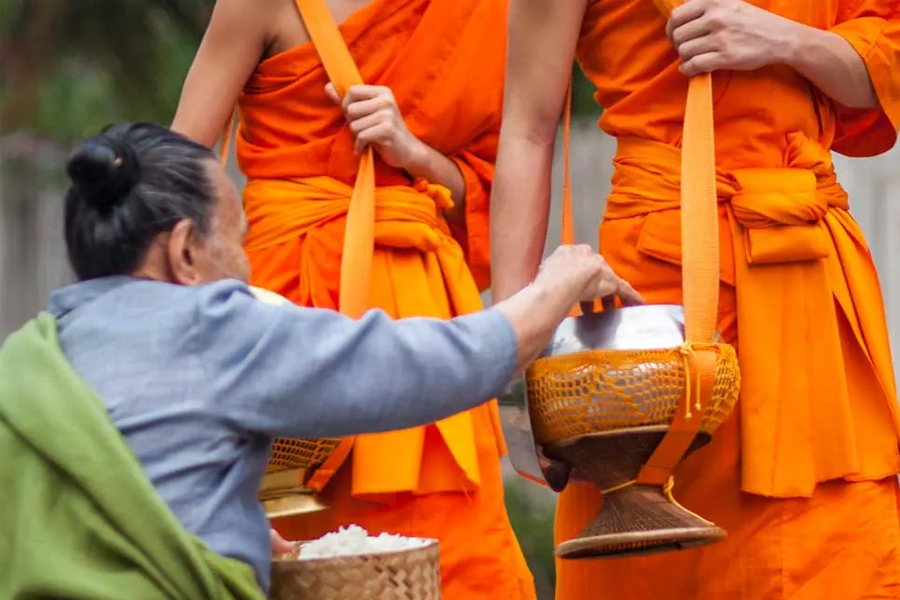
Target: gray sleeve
column 304, row 372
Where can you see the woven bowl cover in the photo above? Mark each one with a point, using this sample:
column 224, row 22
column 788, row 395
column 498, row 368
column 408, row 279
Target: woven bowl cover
column 606, row 390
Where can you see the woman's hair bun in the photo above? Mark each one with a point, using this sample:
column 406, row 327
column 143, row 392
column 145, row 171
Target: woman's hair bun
column 102, row 173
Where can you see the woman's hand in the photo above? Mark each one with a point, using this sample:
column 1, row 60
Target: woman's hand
column 375, row 120
column 586, row 274
column 714, row 35
column 569, row 275
column 279, row 544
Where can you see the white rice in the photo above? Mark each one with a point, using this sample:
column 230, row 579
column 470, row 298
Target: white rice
column 354, row 540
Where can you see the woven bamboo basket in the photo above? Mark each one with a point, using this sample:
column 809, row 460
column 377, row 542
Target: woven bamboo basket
column 291, row 464
column 405, row 575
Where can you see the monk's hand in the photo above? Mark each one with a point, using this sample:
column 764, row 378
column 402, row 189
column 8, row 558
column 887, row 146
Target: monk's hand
column 279, row 544
column 713, row 35
column 587, row 274
column 375, row 120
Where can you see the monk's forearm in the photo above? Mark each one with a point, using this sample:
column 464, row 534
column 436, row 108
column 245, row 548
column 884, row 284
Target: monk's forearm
column 432, row 165
column 520, row 206
column 540, row 51
column 830, row 63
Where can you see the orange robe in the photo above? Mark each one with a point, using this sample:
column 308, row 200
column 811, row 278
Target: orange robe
column 444, row 62
column 803, row 474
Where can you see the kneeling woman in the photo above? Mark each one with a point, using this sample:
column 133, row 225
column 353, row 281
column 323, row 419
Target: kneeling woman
column 137, row 414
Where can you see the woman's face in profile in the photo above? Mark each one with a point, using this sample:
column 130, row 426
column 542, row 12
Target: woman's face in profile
column 223, row 255
column 187, row 256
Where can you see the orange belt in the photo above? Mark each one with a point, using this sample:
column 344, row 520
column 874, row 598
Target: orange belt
column 281, row 210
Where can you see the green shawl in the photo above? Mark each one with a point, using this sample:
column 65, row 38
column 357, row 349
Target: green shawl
column 78, row 517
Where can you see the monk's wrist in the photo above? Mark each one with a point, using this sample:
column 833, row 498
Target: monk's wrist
column 418, row 159
column 424, row 161
column 791, row 41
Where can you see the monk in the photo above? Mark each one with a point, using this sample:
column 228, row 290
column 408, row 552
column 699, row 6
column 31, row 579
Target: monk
column 428, row 102
column 803, row 475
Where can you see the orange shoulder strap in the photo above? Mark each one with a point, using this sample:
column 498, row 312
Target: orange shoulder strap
column 699, row 215
column 359, row 236
column 699, row 273
column 700, row 265
column 568, row 227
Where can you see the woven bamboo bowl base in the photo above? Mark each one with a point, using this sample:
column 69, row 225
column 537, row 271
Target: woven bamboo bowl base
column 634, row 520
column 407, row 575
column 289, row 505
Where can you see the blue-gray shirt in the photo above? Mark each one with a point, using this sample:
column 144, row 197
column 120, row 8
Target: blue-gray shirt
column 199, row 380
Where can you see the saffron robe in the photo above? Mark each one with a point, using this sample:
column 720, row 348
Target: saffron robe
column 803, row 474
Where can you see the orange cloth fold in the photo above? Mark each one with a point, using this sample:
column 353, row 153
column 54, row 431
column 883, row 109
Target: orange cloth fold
column 873, row 29
column 405, row 217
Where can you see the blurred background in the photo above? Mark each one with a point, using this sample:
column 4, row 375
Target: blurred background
column 70, row 67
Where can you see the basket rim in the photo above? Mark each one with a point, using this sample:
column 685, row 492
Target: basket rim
column 430, row 543
column 717, row 346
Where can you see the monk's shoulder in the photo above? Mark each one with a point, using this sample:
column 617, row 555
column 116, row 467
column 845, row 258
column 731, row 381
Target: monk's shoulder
column 260, row 20
column 257, row 11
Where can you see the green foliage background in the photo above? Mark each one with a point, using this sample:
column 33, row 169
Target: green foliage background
column 69, row 67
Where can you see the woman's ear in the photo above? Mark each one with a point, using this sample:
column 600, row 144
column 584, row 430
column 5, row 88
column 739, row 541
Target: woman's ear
column 184, row 254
